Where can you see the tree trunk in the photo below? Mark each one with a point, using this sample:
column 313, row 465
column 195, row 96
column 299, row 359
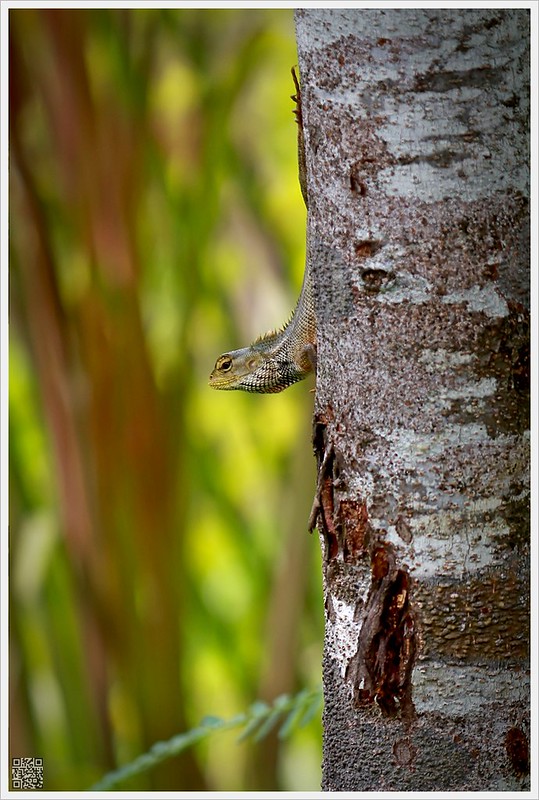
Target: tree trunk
column 416, row 133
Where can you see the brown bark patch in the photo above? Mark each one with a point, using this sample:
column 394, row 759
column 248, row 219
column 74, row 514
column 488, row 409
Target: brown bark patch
column 403, row 529
column 366, row 248
column 374, row 280
column 516, row 745
column 357, row 185
column 488, row 620
column 322, row 513
column 381, row 669
column 354, row 520
column 404, row 752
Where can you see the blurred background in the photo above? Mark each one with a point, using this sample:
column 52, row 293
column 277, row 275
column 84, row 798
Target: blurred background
column 160, row 565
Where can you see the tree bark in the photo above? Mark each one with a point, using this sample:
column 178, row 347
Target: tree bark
column 416, row 135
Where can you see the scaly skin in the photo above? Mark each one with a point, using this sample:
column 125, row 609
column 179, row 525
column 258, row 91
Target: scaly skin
column 279, row 358
column 274, row 361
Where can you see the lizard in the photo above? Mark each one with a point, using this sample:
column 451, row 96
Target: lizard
column 279, row 358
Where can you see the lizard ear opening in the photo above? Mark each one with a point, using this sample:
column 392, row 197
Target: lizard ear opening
column 224, row 363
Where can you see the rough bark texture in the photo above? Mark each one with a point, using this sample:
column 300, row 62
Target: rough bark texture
column 416, row 132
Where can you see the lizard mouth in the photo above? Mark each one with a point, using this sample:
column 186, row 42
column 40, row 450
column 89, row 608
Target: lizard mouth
column 220, row 381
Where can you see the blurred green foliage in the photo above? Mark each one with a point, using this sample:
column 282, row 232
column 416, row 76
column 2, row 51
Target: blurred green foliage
column 160, row 568
column 286, row 714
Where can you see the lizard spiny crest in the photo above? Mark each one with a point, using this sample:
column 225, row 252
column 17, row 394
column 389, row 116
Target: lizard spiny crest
column 279, row 358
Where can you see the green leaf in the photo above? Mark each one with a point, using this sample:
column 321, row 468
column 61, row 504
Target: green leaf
column 212, row 722
column 267, row 725
column 283, row 701
column 295, row 712
column 250, row 729
column 313, row 707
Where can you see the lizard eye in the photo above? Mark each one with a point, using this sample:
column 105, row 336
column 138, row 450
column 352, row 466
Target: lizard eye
column 224, row 363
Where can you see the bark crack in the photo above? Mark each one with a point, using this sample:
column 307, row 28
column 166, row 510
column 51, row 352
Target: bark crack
column 381, row 669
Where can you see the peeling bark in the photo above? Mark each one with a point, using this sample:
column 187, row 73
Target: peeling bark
column 416, row 142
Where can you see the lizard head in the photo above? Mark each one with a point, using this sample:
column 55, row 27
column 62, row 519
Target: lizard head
column 252, row 371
